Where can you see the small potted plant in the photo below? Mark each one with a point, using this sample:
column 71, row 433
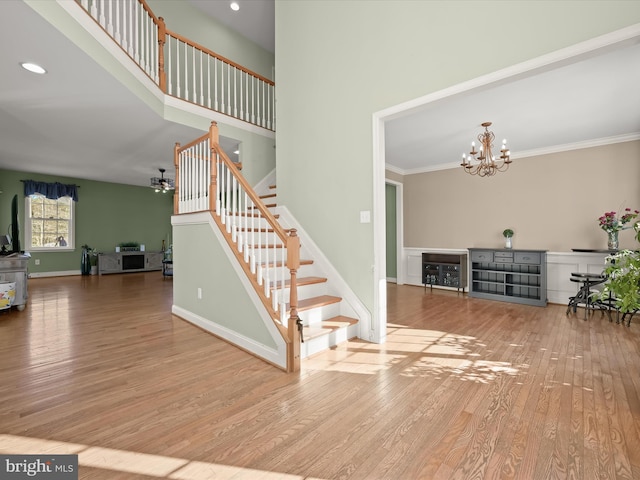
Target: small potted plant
column 507, row 234
column 93, row 261
column 129, row 247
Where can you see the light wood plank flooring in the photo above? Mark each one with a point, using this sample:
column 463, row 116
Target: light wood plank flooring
column 463, row 389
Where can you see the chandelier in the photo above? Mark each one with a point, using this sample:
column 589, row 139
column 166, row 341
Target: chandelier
column 161, row 184
column 488, row 165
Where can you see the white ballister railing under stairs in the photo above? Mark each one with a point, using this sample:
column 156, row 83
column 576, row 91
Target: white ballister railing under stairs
column 206, row 179
column 182, row 68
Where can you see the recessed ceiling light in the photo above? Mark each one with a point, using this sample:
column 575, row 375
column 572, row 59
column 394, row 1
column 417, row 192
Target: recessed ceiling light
column 32, row 67
column 237, row 152
column 235, row 6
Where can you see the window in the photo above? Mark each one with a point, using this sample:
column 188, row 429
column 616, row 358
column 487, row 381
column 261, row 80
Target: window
column 49, row 223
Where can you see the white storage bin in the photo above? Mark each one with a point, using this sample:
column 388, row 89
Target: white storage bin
column 7, row 294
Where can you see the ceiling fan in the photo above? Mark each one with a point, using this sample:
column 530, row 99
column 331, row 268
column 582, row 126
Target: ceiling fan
column 161, row 184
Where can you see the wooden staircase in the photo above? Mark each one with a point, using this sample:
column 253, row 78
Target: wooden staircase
column 277, row 266
column 324, row 325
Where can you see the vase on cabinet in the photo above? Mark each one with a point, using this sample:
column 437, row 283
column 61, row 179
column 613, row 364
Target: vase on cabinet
column 612, row 240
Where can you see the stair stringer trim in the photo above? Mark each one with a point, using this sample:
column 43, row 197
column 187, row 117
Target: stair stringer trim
column 262, row 187
column 277, row 356
column 338, row 284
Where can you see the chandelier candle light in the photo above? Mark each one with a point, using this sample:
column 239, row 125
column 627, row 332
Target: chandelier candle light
column 488, row 165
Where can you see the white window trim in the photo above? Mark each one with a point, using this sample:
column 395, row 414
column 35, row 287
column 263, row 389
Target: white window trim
column 71, row 241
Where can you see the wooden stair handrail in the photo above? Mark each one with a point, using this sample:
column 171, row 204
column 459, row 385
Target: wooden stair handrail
column 292, row 333
column 203, row 49
column 255, row 198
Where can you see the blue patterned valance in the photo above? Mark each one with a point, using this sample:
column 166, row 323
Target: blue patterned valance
column 52, row 191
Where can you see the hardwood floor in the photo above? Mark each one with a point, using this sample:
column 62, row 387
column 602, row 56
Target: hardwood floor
column 462, row 389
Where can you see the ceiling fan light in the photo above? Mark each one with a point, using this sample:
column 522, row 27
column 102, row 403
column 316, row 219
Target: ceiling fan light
column 162, row 184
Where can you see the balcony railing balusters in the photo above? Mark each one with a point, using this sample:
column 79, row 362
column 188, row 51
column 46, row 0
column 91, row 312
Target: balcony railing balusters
column 230, row 89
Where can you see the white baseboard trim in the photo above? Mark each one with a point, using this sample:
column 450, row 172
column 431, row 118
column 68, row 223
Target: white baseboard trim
column 276, row 357
column 66, row 273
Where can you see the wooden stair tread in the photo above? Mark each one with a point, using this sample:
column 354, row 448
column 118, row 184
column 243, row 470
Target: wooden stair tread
column 326, row 327
column 268, row 195
column 272, row 186
column 268, row 205
column 256, row 230
column 314, row 302
column 260, row 230
column 303, row 281
column 281, row 264
column 254, row 215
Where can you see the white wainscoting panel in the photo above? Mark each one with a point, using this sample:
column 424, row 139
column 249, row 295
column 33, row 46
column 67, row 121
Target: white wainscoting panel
column 560, row 265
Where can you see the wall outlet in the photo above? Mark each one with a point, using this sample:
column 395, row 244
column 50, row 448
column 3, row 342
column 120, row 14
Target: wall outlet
column 37, row 261
column 199, row 293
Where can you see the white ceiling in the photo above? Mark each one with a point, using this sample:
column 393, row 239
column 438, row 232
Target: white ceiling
column 79, row 121
column 255, row 20
column 593, row 100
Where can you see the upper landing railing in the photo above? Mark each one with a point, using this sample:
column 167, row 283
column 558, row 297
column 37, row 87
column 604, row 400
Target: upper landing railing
column 182, row 68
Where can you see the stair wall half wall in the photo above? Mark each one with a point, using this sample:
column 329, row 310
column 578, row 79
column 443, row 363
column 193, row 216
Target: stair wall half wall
column 209, row 290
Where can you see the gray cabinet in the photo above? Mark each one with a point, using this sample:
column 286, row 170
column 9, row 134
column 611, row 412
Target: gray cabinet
column 121, row 262
column 14, row 269
column 153, row 260
column 517, row 276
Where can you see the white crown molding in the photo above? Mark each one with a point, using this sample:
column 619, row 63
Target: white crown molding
column 536, row 65
column 597, row 142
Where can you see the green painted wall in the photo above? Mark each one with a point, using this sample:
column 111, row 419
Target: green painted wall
column 106, row 215
column 339, row 62
column 200, row 262
column 391, row 231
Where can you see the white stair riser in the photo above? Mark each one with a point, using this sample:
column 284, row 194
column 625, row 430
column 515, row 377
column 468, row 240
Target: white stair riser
column 324, row 342
column 318, row 314
column 308, row 291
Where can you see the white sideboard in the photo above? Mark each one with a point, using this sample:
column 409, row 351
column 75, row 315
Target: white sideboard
column 560, row 265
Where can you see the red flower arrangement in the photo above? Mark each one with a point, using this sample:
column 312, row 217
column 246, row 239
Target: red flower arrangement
column 609, row 222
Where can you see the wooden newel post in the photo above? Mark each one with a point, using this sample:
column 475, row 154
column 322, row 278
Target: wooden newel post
column 176, row 193
column 214, row 137
column 294, row 326
column 162, row 34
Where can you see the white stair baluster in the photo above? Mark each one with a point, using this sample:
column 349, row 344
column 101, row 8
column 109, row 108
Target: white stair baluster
column 218, row 175
column 208, row 81
column 215, row 83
